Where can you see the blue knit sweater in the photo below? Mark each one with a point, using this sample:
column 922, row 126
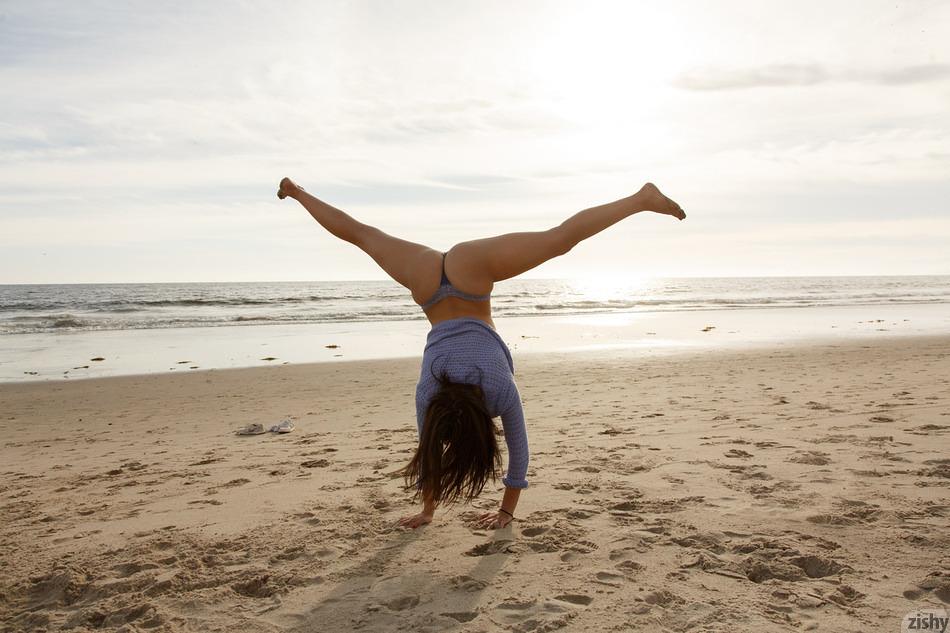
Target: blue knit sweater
column 471, row 351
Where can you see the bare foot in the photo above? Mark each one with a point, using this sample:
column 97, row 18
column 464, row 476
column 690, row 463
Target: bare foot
column 415, row 520
column 659, row 203
column 288, row 188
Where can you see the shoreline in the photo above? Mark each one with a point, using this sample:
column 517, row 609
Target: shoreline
column 534, row 357
column 30, row 358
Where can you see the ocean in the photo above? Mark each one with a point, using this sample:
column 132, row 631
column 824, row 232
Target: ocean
column 58, row 332
column 35, row 309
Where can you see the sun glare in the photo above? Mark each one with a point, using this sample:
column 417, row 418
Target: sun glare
column 606, row 287
column 608, row 69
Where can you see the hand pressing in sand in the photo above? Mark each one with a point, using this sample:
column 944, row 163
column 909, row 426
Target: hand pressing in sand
column 416, row 520
column 492, row 520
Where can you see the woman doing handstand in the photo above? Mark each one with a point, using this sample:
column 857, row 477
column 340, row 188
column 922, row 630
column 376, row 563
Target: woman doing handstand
column 467, row 376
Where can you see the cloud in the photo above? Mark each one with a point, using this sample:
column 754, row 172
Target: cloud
column 910, row 74
column 381, row 121
column 781, row 75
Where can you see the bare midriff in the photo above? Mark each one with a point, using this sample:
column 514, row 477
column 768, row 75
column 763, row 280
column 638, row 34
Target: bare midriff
column 454, row 308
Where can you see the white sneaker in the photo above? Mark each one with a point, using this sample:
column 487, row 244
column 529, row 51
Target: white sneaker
column 285, row 426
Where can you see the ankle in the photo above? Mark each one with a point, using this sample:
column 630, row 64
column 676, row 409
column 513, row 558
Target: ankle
column 645, row 198
column 636, row 203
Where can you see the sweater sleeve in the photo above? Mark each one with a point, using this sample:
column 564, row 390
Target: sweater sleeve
column 516, row 437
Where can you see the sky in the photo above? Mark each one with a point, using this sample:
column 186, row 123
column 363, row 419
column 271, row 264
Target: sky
column 144, row 141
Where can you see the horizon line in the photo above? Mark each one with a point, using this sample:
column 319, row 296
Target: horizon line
column 279, row 281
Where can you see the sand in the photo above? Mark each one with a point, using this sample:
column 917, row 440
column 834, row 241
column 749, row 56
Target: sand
column 760, row 490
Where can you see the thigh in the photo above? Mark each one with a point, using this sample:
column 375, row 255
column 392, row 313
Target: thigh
column 415, row 266
column 480, row 263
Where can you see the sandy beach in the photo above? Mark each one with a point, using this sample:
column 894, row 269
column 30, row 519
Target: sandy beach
column 769, row 489
column 711, row 236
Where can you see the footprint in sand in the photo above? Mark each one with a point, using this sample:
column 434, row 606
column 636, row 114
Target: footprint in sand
column 124, row 570
column 534, row 531
column 548, row 532
column 461, row 616
column 938, row 468
column 235, row 483
column 402, row 603
column 738, row 454
column 516, row 605
column 926, row 429
column 812, row 458
column 662, row 598
column 579, row 514
column 936, row 582
column 848, row 512
column 535, row 616
column 205, row 462
column 467, row 583
column 308, row 517
column 609, row 578
column 629, row 567
column 502, row 546
column 767, row 560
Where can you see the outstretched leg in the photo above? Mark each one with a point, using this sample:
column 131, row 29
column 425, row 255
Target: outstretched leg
column 409, row 263
column 480, row 263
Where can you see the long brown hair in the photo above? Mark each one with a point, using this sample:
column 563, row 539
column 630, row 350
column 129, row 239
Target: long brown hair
column 458, row 449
